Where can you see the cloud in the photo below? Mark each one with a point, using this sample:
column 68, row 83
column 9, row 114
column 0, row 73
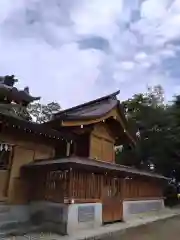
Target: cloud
column 71, row 51
column 94, row 42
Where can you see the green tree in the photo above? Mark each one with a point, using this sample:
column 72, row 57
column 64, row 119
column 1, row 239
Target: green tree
column 158, row 147
column 41, row 113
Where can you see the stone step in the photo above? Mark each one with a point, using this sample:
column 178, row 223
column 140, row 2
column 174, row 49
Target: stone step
column 14, row 228
column 11, row 232
column 4, row 208
column 11, row 227
column 6, row 216
column 9, row 224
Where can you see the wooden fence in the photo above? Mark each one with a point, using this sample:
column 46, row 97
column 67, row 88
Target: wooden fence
column 64, row 186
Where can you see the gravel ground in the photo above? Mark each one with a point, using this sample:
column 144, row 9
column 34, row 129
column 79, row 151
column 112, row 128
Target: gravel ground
column 168, row 229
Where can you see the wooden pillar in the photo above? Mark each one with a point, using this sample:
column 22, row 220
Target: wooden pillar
column 9, row 172
column 68, row 148
column 124, row 190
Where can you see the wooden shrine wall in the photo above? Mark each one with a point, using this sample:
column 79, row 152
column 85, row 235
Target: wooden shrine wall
column 23, row 152
column 142, row 189
column 102, row 144
column 85, row 187
column 63, row 186
column 81, row 187
column 50, row 185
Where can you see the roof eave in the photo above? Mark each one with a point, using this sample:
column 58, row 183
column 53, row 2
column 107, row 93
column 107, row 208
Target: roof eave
column 96, row 164
column 112, row 95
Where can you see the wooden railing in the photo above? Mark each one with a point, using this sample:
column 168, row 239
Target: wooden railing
column 139, row 189
column 57, row 184
column 63, row 186
column 85, row 185
column 69, row 185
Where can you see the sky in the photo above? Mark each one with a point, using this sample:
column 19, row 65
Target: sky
column 72, row 51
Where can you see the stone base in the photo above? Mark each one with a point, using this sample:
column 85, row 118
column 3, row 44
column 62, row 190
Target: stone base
column 131, row 209
column 65, row 219
column 48, row 216
column 84, row 216
column 14, row 219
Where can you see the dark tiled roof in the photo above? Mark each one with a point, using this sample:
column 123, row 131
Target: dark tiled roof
column 93, row 110
column 90, row 110
column 30, row 127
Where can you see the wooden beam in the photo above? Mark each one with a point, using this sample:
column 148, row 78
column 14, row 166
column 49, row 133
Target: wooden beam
column 114, row 113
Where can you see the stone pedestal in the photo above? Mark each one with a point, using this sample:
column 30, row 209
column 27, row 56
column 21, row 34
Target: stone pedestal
column 84, row 216
column 65, row 218
column 131, row 209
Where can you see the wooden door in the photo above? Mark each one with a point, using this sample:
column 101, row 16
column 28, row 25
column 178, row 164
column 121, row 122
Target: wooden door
column 111, row 202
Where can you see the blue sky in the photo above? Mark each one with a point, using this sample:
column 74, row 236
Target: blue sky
column 72, row 51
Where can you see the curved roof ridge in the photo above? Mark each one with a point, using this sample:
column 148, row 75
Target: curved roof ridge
column 112, row 95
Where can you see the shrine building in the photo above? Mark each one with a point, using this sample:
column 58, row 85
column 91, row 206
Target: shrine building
column 61, row 175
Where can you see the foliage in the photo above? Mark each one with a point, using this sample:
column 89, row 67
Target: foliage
column 159, row 124
column 171, row 196
column 42, row 113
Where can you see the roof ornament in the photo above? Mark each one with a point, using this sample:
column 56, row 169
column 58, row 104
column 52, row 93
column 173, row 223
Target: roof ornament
column 6, row 85
column 10, row 80
column 12, row 100
column 24, row 98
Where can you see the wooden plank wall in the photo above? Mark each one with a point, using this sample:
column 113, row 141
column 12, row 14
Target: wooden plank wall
column 83, row 187
column 102, row 143
column 141, row 189
column 59, row 186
